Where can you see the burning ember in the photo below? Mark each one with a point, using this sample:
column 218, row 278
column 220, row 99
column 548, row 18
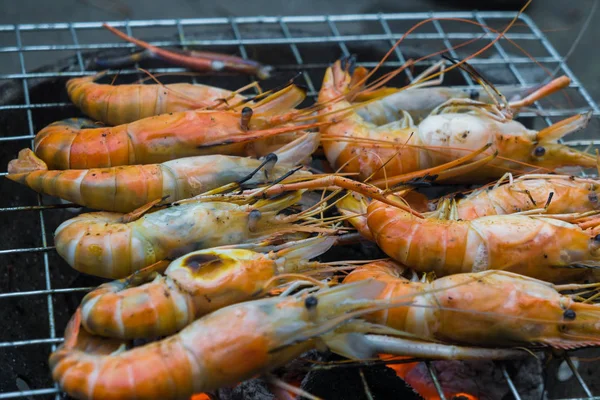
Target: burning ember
column 472, row 380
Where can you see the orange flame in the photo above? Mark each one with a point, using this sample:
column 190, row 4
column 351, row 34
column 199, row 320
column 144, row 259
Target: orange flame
column 200, row 396
column 424, row 387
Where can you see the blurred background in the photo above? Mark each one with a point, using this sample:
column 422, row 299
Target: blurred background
column 560, row 20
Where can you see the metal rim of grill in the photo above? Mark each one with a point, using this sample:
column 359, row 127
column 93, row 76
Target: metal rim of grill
column 333, row 35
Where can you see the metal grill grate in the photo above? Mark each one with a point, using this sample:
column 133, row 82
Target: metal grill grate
column 325, row 36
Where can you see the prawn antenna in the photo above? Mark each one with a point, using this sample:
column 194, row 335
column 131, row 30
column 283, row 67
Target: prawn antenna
column 487, row 85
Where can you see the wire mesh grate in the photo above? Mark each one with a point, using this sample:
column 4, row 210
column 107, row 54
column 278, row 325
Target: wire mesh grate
column 306, row 44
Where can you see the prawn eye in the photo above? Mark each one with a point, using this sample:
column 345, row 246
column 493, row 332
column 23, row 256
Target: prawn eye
column 593, row 197
column 253, row 218
column 539, row 151
column 311, row 302
column 597, row 238
column 569, row 314
column 245, row 121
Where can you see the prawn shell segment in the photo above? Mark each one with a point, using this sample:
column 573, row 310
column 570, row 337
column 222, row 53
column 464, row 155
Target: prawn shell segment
column 541, row 248
column 216, row 278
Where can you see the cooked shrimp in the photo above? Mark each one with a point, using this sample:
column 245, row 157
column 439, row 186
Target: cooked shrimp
column 540, row 247
column 193, row 285
column 550, row 194
column 355, row 145
column 492, row 308
column 65, row 145
column 221, row 349
column 107, row 245
column 126, row 188
column 421, row 101
column 122, row 104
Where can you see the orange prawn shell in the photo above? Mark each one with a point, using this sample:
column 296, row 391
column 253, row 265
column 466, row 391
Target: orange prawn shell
column 349, row 151
column 121, row 104
column 533, row 247
column 492, row 308
column 153, row 140
column 148, row 141
column 217, row 281
column 514, row 298
column 569, row 196
column 398, row 288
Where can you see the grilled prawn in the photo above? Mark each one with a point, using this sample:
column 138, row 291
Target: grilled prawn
column 80, row 144
column 492, row 308
column 122, row 104
column 193, row 285
column 361, row 147
column 539, row 247
column 221, row 349
column 112, row 245
column 126, row 188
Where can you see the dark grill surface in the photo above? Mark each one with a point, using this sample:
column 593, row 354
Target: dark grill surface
column 39, row 292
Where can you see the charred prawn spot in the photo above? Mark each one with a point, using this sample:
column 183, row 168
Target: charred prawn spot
column 196, row 262
column 209, row 267
column 569, row 315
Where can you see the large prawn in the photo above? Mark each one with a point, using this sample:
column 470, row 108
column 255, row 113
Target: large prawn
column 420, row 101
column 126, row 188
column 377, row 152
column 492, row 308
column 75, row 144
column 540, row 247
column 147, row 304
column 549, row 194
column 114, row 245
column 547, row 247
column 223, row 348
column 122, row 104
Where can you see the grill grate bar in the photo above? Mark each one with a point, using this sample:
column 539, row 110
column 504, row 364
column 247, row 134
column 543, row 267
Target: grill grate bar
column 435, row 380
column 183, row 43
column 49, row 301
column 225, row 42
column 29, row 342
column 27, row 250
column 51, row 291
column 446, row 40
column 577, row 375
column 391, row 41
column 510, row 383
column 590, row 102
column 27, row 393
column 66, row 74
column 298, row 57
column 332, row 33
column 512, row 68
column 240, row 42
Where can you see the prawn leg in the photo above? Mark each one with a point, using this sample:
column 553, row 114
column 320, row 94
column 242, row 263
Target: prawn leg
column 437, row 351
column 261, row 335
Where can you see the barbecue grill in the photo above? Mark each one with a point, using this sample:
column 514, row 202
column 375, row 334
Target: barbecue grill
column 39, row 292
